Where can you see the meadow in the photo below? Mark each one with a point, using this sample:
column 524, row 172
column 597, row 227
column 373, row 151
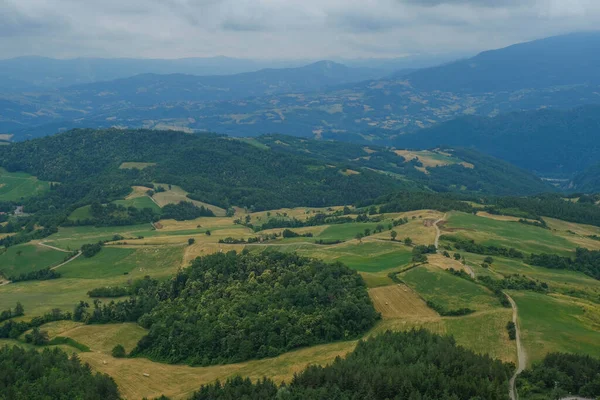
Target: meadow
column 15, row 186
column 568, row 319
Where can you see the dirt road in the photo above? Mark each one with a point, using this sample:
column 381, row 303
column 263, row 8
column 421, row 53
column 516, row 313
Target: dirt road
column 68, row 261
column 521, row 356
column 53, row 248
column 438, row 233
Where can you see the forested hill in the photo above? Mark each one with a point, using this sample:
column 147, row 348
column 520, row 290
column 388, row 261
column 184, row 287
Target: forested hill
column 272, row 172
column 588, row 181
column 215, row 169
column 544, row 141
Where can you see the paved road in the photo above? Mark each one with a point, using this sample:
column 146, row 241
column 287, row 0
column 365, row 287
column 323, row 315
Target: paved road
column 521, row 356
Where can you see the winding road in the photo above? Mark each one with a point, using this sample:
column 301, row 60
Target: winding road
column 521, row 356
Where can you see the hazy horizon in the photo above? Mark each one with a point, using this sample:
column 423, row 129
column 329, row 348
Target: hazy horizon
column 281, row 30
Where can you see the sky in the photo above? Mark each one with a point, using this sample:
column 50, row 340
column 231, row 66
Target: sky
column 281, row 29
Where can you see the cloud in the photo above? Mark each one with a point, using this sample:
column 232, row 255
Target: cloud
column 298, row 29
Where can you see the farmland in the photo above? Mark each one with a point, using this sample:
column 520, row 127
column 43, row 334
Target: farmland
column 567, row 319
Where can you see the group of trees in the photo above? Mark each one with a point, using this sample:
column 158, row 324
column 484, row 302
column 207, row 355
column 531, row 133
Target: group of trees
column 18, row 311
column 110, row 291
column 12, row 329
column 50, row 374
column 39, row 275
column 561, row 375
column 407, row 365
column 586, row 261
column 90, row 250
column 230, row 308
column 112, row 214
column 449, row 313
column 185, row 210
column 470, row 246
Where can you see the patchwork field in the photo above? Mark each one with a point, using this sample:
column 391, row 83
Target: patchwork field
column 566, row 320
column 15, row 186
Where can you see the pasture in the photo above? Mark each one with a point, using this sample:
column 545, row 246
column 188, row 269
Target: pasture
column 527, row 238
column 15, row 186
column 26, row 258
column 557, row 323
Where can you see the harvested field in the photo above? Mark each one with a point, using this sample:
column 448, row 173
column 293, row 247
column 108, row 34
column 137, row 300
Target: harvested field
column 399, row 301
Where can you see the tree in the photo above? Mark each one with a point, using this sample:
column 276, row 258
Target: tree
column 191, row 241
column 408, row 241
column 119, row 351
column 19, row 252
column 488, row 260
column 208, row 233
column 446, row 254
column 359, row 236
column 457, row 256
column 19, row 310
column 393, row 234
column 367, row 232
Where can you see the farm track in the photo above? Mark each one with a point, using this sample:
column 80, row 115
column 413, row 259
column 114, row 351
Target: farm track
column 53, row 248
column 68, row 261
column 521, row 356
column 438, row 233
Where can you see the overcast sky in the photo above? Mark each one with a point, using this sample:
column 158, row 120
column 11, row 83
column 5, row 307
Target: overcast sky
column 280, row 29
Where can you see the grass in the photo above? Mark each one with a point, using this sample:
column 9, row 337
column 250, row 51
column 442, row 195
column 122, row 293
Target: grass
column 551, row 324
column 372, row 256
column 139, row 202
column 71, row 238
column 15, row 186
column 115, row 261
column 529, row 239
column 108, row 262
column 26, row 258
column 81, row 214
column 447, row 290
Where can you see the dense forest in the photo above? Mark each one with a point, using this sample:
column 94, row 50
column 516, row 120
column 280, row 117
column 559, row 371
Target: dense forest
column 229, row 308
column 50, row 374
column 408, row 365
column 551, row 141
column 561, row 375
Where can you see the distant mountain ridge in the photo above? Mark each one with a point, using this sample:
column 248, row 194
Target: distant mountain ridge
column 561, row 72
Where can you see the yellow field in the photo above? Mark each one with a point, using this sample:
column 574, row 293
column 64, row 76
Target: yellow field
column 176, row 194
column 399, row 301
column 138, row 191
column 497, row 217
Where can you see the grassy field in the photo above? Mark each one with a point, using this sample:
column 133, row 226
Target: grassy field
column 370, row 256
column 523, row 237
column 26, row 258
column 15, row 186
column 447, row 290
column 139, row 202
column 557, row 323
